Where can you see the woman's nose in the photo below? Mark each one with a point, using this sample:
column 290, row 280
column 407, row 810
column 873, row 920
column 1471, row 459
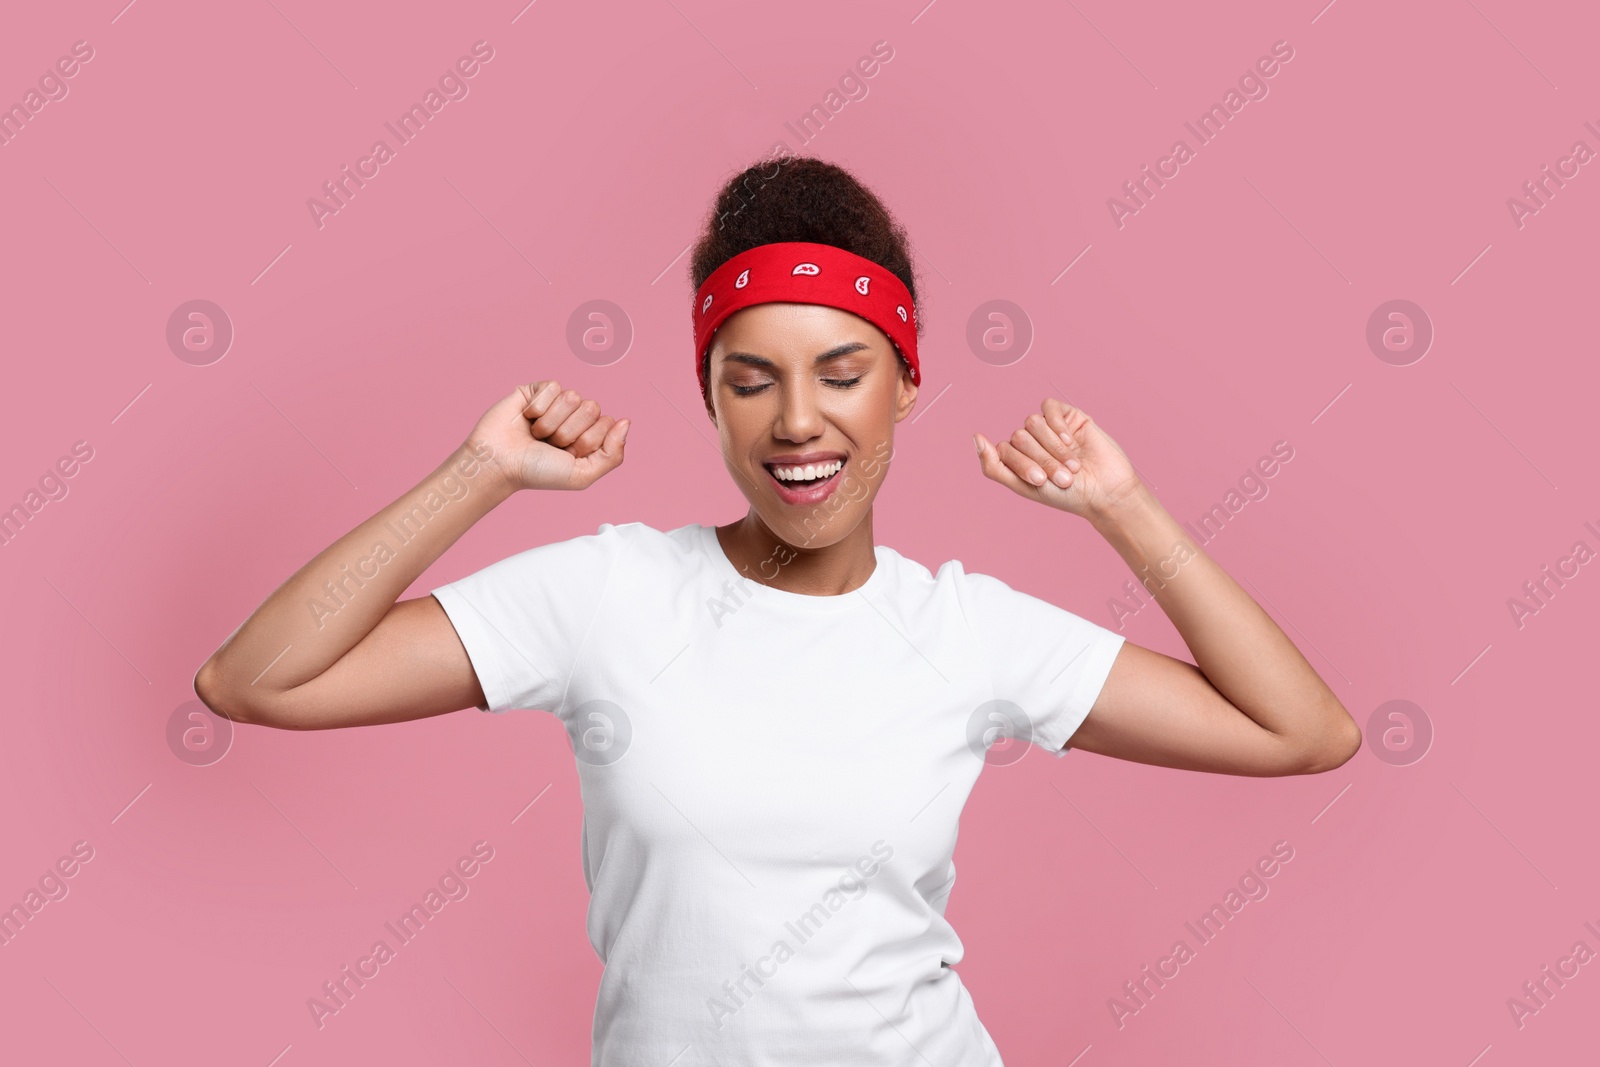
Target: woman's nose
column 800, row 415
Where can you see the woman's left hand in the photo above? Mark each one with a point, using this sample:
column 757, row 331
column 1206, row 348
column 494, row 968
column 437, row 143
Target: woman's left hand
column 1062, row 458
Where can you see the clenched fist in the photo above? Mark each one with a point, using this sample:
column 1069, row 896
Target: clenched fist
column 545, row 437
column 1061, row 457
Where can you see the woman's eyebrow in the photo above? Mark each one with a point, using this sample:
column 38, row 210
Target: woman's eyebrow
column 832, row 353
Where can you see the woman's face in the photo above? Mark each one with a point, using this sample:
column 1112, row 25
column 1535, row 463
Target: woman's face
column 796, row 385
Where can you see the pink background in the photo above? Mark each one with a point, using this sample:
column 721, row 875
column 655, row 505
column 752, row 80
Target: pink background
column 1228, row 314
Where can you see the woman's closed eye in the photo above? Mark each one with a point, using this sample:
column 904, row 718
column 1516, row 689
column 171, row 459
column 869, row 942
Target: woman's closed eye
column 840, row 383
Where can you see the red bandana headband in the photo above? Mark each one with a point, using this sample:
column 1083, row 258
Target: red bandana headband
column 801, row 272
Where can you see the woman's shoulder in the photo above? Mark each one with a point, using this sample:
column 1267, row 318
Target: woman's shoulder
column 914, row 571
column 914, row 580
column 610, row 542
column 642, row 534
column 653, row 548
column 951, row 582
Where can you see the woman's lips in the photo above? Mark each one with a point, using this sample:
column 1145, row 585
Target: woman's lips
column 813, row 494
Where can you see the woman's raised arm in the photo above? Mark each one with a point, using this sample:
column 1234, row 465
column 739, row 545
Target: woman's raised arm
column 331, row 647
column 1250, row 704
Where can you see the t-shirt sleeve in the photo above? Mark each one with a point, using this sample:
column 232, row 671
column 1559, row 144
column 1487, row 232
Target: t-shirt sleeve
column 1046, row 660
column 525, row 619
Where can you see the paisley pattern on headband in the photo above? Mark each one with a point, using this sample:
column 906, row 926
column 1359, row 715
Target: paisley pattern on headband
column 834, row 277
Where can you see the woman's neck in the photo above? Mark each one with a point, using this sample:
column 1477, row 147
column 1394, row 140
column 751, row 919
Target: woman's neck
column 827, row 570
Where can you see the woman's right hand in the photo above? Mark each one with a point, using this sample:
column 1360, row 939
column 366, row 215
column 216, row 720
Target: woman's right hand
column 544, row 437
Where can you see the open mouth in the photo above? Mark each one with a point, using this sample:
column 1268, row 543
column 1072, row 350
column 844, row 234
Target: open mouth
column 804, row 476
column 805, row 483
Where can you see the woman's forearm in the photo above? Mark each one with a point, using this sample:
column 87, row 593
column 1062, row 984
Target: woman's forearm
column 1236, row 645
column 331, row 603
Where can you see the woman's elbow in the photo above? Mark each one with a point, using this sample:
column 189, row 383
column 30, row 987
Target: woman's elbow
column 1333, row 749
column 222, row 699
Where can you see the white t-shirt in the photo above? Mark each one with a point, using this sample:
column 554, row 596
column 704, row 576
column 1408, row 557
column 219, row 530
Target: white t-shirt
column 772, row 782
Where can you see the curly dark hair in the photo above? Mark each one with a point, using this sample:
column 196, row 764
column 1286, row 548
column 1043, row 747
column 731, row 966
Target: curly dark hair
column 800, row 198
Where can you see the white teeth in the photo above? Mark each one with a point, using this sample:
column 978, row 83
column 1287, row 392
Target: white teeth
column 807, row 472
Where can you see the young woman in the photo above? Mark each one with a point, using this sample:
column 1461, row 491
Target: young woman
column 777, row 721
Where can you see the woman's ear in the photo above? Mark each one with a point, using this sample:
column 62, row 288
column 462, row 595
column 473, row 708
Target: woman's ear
column 906, row 398
column 706, row 395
